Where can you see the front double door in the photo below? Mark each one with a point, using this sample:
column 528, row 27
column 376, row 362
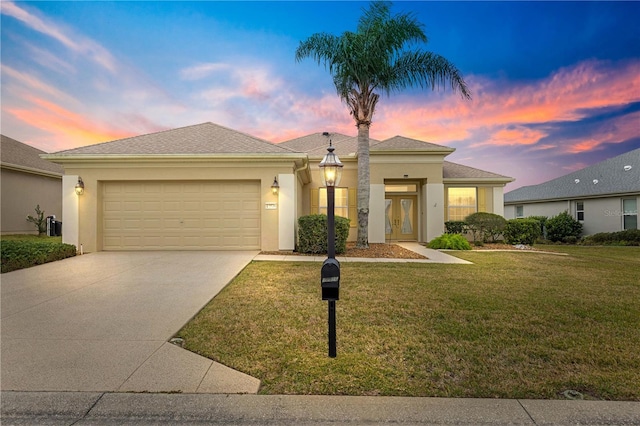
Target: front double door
column 401, row 216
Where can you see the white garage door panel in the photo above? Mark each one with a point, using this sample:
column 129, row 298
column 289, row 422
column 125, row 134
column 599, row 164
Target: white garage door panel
column 181, row 215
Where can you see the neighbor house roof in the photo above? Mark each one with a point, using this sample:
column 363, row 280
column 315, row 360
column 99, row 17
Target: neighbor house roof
column 458, row 171
column 18, row 155
column 205, row 138
column 617, row 175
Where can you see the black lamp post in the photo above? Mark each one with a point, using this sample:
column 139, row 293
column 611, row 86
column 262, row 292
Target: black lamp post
column 331, row 171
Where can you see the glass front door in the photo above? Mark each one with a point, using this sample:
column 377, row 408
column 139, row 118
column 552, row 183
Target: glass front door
column 400, row 217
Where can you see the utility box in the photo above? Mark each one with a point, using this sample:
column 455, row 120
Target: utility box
column 330, row 279
column 51, row 226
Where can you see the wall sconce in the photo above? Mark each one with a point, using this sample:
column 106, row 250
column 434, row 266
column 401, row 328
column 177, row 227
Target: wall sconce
column 275, row 187
column 80, row 186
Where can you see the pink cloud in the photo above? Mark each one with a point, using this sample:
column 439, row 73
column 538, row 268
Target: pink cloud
column 66, row 127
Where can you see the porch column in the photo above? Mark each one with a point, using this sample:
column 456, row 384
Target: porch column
column 376, row 213
column 434, row 211
column 70, row 211
column 286, row 212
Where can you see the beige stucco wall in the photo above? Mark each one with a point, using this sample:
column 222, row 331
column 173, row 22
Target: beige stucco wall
column 21, row 192
column 94, row 174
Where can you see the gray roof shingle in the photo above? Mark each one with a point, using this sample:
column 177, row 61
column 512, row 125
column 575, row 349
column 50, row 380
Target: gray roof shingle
column 16, row 153
column 402, row 143
column 316, row 144
column 458, row 171
column 205, row 138
column 617, row 175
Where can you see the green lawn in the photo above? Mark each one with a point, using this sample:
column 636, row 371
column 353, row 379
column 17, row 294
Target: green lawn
column 512, row 325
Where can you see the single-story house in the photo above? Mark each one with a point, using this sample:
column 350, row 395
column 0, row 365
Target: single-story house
column 210, row 187
column 27, row 181
column 604, row 196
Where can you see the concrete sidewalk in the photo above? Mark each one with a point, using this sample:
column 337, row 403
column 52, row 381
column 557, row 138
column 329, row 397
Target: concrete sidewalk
column 79, row 408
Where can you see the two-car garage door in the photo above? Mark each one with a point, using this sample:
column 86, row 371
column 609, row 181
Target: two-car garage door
column 198, row 215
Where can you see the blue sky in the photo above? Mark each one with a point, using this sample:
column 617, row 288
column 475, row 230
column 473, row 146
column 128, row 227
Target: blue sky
column 556, row 85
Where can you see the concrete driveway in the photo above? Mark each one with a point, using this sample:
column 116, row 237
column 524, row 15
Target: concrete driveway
column 101, row 322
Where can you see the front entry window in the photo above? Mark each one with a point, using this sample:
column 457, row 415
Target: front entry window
column 341, row 202
column 461, row 203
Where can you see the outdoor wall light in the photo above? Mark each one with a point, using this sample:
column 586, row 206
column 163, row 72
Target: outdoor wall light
column 331, row 168
column 275, row 187
column 80, row 186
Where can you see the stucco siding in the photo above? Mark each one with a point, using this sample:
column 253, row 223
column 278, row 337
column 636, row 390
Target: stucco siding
column 21, row 192
column 600, row 214
column 90, row 217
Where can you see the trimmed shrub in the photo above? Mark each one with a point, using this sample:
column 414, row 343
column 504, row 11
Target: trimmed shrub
column 522, row 231
column 543, row 221
column 450, row 242
column 485, row 226
column 629, row 237
column 312, row 233
column 17, row 254
column 561, row 227
column 455, row 226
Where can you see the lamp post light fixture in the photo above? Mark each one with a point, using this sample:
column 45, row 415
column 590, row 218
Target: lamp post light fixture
column 331, row 171
column 275, row 187
column 79, row 186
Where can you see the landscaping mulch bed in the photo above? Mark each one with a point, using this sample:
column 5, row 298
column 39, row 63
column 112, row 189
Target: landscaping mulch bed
column 394, row 251
column 375, row 250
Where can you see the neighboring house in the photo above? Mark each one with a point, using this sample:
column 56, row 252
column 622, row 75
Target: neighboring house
column 27, row 181
column 209, row 187
column 604, row 197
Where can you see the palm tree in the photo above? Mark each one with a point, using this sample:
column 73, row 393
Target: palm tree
column 373, row 59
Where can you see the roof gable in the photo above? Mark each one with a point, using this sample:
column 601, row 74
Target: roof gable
column 205, row 138
column 616, row 175
column 458, row 171
column 316, row 144
column 20, row 155
column 401, row 143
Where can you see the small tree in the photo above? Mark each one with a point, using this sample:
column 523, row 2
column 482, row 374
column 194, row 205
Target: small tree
column 39, row 221
column 563, row 228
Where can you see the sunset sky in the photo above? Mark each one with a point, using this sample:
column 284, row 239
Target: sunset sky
column 556, row 86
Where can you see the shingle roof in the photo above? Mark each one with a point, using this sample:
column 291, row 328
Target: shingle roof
column 316, row 144
column 205, row 138
column 458, row 171
column 21, row 155
column 402, row 143
column 617, row 175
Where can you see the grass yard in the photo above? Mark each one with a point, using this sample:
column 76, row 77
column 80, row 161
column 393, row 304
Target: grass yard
column 512, row 325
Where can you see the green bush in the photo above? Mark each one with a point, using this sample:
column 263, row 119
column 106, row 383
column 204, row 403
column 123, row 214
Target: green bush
column 543, row 222
column 485, row 226
column 312, row 233
column 18, row 254
column 522, row 231
column 450, row 242
column 455, row 226
column 562, row 228
column 630, row 237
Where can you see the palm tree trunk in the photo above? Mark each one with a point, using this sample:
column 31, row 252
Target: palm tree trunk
column 363, row 186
